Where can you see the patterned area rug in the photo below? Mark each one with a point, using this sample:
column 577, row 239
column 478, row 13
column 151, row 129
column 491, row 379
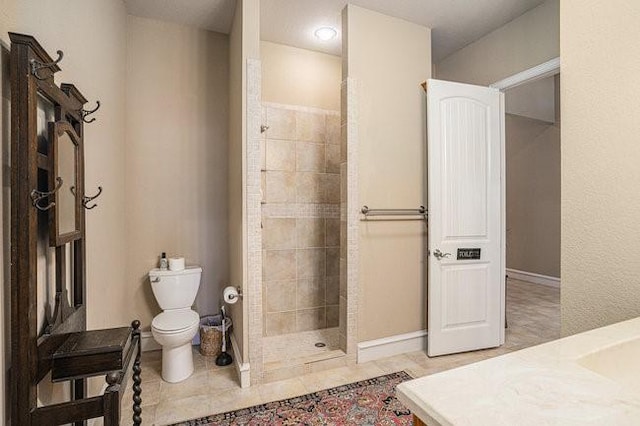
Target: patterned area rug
column 369, row 402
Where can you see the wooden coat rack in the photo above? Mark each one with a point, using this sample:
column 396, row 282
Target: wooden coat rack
column 47, row 133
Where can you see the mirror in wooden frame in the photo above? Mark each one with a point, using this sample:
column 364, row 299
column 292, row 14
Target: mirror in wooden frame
column 65, row 218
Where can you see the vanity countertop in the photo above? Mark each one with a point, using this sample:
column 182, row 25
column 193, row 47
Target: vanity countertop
column 551, row 384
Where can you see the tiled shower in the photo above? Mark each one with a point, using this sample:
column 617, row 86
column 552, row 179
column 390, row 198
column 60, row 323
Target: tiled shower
column 303, row 255
column 300, row 219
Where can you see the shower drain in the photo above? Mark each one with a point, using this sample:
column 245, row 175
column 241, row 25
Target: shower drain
column 320, row 345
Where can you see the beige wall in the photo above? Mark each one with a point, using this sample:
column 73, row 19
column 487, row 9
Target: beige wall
column 389, row 58
column 533, row 195
column 600, row 157
column 294, row 76
column 528, row 40
column 176, row 162
column 97, row 68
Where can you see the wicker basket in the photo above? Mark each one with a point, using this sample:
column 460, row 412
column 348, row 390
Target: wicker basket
column 210, row 341
column 211, row 335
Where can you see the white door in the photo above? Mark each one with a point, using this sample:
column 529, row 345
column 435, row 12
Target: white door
column 466, row 212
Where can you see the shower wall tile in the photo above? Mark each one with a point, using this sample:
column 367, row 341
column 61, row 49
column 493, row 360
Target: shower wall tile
column 278, row 233
column 310, row 233
column 253, row 284
column 332, row 293
column 279, row 265
column 281, row 187
column 310, row 126
column 333, row 262
column 310, row 157
column 343, row 316
column 308, row 187
column 311, row 263
column 330, row 188
column 301, row 226
column 342, row 326
column 332, row 158
column 343, row 278
column 280, row 155
column 310, row 293
column 343, row 102
column 311, row 319
column 282, row 123
column 343, row 143
column 343, row 183
column 333, row 129
column 332, row 232
column 281, row 323
column 301, row 210
column 333, row 315
column 343, row 239
column 280, row 296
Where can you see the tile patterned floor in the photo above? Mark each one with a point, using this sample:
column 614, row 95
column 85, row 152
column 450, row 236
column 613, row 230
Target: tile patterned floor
column 533, row 312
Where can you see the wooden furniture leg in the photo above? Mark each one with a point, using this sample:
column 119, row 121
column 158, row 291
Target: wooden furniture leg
column 137, row 389
column 79, row 392
column 112, row 401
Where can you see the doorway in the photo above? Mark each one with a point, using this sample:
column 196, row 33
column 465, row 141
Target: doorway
column 532, row 151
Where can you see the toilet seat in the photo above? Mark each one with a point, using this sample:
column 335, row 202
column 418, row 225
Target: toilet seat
column 177, row 321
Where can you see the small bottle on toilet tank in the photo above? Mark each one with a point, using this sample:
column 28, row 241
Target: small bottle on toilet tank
column 164, row 263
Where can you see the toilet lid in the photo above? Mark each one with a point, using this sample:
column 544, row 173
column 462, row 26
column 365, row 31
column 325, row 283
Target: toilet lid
column 175, row 320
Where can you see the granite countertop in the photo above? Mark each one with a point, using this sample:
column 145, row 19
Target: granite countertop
column 549, row 384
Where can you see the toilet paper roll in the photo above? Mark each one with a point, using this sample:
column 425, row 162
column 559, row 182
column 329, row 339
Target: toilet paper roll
column 176, row 263
column 230, row 295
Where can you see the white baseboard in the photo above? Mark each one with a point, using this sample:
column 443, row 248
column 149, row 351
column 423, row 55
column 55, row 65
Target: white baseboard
column 394, row 345
column 242, row 368
column 534, row 278
column 148, row 343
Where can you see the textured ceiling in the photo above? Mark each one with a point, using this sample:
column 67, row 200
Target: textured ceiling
column 455, row 23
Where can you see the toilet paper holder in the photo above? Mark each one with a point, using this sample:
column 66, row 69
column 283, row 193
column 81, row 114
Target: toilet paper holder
column 233, row 294
column 238, row 296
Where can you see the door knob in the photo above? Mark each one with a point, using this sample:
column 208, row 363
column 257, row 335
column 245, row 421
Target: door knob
column 440, row 255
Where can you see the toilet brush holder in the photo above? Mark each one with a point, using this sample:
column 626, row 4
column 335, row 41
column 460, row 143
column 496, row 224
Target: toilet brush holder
column 224, row 358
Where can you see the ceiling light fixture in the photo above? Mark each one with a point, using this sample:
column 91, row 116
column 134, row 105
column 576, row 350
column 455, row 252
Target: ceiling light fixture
column 325, row 33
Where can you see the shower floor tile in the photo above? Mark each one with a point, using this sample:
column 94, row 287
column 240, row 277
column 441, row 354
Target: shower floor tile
column 291, row 349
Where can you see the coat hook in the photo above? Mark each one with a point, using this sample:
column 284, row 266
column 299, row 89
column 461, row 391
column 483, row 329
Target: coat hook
column 37, row 196
column 37, row 65
column 264, row 128
column 85, row 113
column 86, row 200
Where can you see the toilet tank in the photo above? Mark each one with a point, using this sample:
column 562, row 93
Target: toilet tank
column 175, row 289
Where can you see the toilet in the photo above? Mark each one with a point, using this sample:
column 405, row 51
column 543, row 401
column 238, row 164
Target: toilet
column 175, row 327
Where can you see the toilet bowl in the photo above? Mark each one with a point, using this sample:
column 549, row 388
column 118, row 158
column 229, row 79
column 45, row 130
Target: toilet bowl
column 176, row 326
